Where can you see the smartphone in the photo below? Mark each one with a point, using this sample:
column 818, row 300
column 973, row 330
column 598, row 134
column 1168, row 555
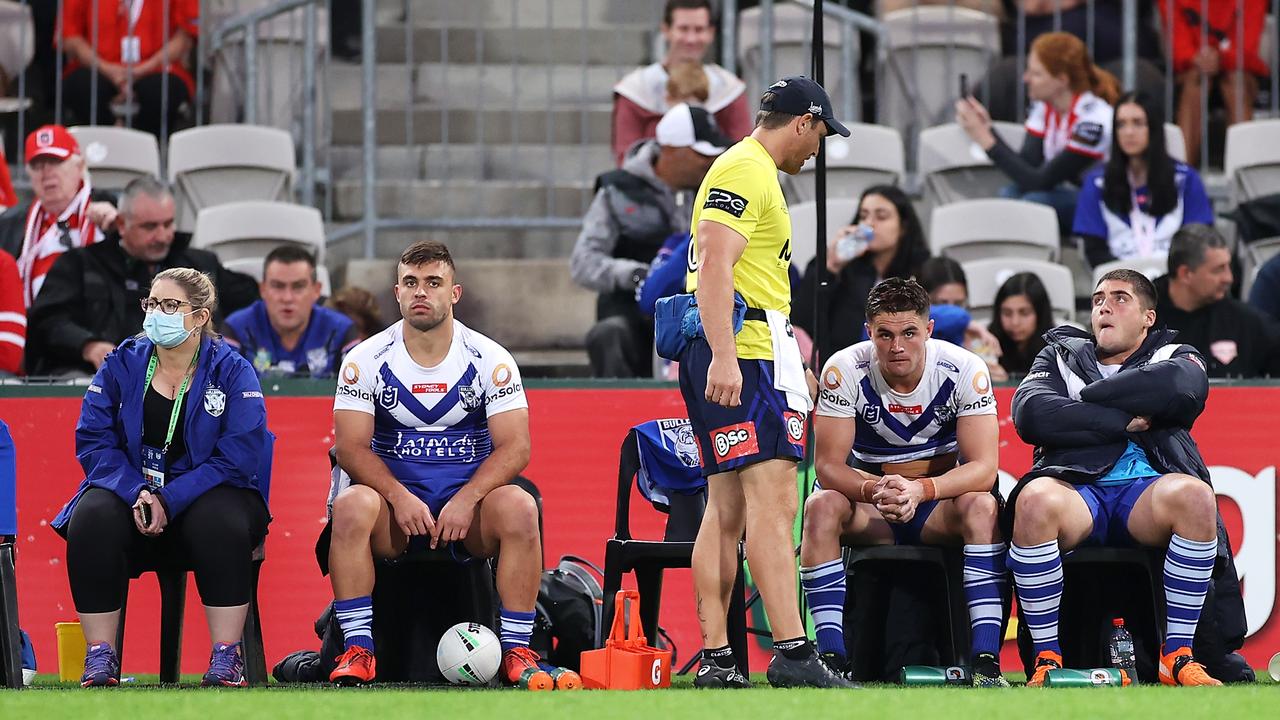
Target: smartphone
column 964, row 85
column 145, row 510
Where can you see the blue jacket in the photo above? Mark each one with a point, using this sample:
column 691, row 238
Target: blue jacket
column 328, row 335
column 225, row 429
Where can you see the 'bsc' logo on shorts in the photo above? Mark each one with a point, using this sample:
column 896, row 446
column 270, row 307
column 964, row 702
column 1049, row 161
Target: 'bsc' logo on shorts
column 735, row 441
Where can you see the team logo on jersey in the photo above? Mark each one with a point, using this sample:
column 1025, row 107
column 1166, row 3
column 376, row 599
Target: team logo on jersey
column 832, row 378
column 502, row 375
column 389, row 397
column 943, row 414
column 725, row 201
column 795, row 426
column 215, row 401
column 1224, row 351
column 317, row 360
column 982, row 383
column 350, row 373
column 470, row 397
column 687, row 446
column 734, row 441
column 871, row 414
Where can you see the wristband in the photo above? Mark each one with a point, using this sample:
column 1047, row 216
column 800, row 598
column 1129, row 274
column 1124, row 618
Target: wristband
column 930, row 491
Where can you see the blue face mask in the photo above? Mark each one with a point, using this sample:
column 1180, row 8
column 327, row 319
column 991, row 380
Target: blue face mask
column 167, row 331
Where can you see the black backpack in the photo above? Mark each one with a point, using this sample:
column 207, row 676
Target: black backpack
column 568, row 611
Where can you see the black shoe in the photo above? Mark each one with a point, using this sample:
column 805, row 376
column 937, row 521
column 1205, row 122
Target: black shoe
column 986, row 671
column 838, row 664
column 809, row 672
column 711, row 675
column 300, row 666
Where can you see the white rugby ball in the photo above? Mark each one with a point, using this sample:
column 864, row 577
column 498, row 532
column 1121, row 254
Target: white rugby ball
column 469, row 654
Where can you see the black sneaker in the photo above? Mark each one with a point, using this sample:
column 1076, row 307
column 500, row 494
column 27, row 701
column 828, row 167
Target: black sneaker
column 809, row 672
column 838, row 664
column 711, row 675
column 986, row 671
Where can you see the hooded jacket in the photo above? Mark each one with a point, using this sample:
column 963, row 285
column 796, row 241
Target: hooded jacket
column 1076, row 419
column 224, row 428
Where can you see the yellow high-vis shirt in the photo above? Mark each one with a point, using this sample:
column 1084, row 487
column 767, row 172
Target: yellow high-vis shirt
column 741, row 192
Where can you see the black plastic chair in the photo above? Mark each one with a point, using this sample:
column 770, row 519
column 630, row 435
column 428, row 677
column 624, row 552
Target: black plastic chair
column 173, row 600
column 10, row 640
column 946, row 565
column 649, row 558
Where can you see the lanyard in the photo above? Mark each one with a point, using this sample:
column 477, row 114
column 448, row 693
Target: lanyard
column 177, row 400
column 133, row 10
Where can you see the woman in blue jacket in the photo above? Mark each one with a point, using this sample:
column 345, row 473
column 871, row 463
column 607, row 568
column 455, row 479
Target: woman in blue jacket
column 174, row 444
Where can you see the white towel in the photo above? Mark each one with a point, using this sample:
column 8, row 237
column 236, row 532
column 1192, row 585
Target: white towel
column 788, row 366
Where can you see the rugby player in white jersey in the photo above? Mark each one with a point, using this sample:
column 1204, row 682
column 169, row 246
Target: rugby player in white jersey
column 432, row 425
column 907, row 451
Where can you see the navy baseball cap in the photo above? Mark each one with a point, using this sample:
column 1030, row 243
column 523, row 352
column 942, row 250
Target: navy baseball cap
column 798, row 95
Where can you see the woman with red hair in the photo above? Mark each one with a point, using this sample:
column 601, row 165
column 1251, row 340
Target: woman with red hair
column 1068, row 128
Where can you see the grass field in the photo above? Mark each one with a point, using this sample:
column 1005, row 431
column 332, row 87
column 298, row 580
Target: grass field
column 48, row 701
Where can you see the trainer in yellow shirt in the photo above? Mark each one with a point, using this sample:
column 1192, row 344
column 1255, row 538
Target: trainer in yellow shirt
column 749, row 435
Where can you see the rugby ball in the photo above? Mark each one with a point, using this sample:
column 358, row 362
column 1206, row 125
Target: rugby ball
column 469, row 654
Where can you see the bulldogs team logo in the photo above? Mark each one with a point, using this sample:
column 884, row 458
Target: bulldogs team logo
column 944, row 413
column 470, row 397
column 871, row 414
column 317, row 360
column 389, row 397
column 215, row 401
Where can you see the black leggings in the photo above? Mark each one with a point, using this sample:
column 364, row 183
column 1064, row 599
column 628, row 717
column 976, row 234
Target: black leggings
column 77, row 93
column 215, row 537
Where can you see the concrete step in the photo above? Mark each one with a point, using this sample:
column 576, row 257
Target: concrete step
column 557, row 125
column 621, row 46
column 535, row 86
column 537, row 13
column 465, row 198
column 557, row 163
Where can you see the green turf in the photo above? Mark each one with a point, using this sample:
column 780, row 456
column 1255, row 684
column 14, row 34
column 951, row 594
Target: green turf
column 51, row 700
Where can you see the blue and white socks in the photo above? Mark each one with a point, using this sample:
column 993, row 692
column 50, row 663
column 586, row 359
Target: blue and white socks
column 824, row 589
column 355, row 617
column 1188, row 565
column 517, row 627
column 1037, row 575
column 984, row 581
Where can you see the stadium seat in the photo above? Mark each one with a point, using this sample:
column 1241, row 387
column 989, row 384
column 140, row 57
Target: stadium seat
column 928, row 49
column 115, row 156
column 10, row 640
column 954, row 168
column 648, row 558
column 871, row 155
column 1099, row 584
column 252, row 266
column 792, row 52
column 804, row 226
column 990, row 228
column 253, row 228
column 1153, row 266
column 17, row 39
column 986, row 276
column 945, row 564
column 217, row 164
column 1251, row 160
column 1256, row 254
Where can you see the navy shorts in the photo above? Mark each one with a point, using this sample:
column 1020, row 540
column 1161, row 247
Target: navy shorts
column 908, row 533
column 761, row 428
column 1110, row 507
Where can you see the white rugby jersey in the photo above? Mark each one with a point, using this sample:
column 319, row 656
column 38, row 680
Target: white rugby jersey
column 1085, row 130
column 899, row 427
column 430, row 424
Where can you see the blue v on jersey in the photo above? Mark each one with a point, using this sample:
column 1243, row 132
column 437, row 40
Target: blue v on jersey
column 430, row 425
column 328, row 335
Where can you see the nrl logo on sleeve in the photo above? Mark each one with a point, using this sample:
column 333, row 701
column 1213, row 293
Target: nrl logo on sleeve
column 726, row 201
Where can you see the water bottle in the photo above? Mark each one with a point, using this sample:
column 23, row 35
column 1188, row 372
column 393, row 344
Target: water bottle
column 1090, row 677
column 1121, row 647
column 853, row 244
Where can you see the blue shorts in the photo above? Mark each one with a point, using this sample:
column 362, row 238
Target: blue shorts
column 761, row 428
column 436, row 498
column 908, row 533
column 1110, row 507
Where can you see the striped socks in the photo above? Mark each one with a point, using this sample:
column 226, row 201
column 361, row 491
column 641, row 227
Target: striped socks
column 984, row 579
column 1037, row 575
column 355, row 617
column 824, row 589
column 1188, row 565
column 516, row 629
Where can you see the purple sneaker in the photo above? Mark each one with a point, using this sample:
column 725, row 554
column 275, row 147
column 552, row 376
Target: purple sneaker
column 226, row 667
column 101, row 668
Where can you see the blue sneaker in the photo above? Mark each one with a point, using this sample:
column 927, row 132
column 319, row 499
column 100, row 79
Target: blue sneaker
column 101, row 668
column 226, row 667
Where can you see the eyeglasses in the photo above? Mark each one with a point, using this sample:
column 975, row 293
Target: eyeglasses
column 168, row 306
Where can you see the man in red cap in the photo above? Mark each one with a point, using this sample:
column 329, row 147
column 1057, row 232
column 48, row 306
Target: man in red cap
column 62, row 216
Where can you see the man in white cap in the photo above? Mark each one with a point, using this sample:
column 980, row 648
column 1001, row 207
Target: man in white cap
column 635, row 210
column 63, row 215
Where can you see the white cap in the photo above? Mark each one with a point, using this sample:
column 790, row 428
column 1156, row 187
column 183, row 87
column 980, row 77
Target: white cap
column 692, row 127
